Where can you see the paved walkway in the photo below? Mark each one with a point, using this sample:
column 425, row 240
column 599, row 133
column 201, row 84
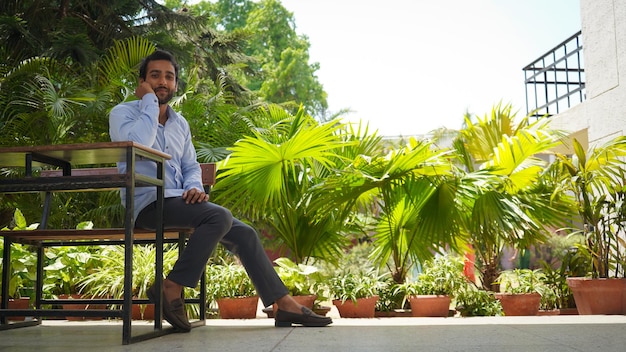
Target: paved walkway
column 511, row 334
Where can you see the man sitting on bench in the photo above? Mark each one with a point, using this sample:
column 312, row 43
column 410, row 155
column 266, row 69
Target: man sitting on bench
column 152, row 122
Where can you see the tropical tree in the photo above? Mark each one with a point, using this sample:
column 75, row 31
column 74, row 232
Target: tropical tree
column 505, row 194
column 65, row 64
column 80, row 31
column 277, row 67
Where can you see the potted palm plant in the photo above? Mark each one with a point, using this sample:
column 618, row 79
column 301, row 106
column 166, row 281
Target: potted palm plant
column 508, row 203
column 410, row 192
column 595, row 178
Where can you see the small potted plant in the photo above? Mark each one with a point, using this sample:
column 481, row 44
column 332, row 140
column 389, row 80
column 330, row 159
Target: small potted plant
column 355, row 293
column 21, row 277
column 520, row 291
column 474, row 302
column 300, row 279
column 431, row 294
column 567, row 262
column 23, row 266
column 303, row 282
column 391, row 300
column 230, row 287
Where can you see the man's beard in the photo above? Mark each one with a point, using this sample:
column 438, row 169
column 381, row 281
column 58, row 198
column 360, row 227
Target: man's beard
column 167, row 98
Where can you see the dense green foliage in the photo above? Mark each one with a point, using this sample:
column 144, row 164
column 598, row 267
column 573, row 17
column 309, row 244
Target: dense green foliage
column 65, row 64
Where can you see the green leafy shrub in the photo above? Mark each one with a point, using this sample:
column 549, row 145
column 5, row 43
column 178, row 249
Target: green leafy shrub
column 300, row 279
column 440, row 276
column 23, row 270
column 351, row 286
column 522, row 281
column 228, row 280
column 474, row 302
column 107, row 280
column 389, row 297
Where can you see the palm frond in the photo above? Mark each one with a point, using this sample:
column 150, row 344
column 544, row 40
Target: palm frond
column 123, row 59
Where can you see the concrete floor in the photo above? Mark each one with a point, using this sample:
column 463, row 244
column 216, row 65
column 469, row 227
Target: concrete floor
column 511, row 334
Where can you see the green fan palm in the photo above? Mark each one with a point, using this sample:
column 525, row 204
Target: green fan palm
column 268, row 178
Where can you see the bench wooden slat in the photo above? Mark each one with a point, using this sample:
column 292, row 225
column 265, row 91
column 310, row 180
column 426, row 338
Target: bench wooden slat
column 93, row 234
column 95, row 171
column 68, row 183
column 208, row 172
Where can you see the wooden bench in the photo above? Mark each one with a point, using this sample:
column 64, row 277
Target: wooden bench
column 43, row 237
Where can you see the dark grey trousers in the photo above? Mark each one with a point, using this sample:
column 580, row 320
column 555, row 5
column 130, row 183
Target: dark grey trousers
column 214, row 224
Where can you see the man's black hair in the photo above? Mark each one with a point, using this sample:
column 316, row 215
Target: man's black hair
column 158, row 55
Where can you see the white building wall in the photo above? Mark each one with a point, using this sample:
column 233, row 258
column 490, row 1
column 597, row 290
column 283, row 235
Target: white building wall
column 602, row 115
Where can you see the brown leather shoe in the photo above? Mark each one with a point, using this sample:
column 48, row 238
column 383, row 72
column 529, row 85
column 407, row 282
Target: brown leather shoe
column 173, row 312
column 307, row 318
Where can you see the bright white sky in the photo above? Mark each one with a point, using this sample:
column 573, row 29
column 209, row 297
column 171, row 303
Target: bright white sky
column 410, row 66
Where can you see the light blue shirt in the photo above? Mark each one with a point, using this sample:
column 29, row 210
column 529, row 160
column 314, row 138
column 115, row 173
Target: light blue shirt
column 138, row 121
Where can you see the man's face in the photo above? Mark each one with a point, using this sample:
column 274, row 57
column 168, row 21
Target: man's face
column 161, row 76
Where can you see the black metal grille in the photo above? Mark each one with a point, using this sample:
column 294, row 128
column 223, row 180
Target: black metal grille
column 556, row 81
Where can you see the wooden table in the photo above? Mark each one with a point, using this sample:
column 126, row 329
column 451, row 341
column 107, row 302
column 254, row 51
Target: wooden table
column 71, row 157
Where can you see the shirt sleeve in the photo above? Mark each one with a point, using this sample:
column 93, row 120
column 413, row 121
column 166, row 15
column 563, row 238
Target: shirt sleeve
column 135, row 122
column 192, row 174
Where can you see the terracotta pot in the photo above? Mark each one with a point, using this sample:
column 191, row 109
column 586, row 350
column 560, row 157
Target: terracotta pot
column 73, row 306
column 147, row 314
column 568, row 311
column 518, row 304
column 543, row 312
column 19, row 303
column 598, row 296
column 362, row 308
column 80, row 307
column 430, row 305
column 321, row 310
column 238, row 307
column 306, row 300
